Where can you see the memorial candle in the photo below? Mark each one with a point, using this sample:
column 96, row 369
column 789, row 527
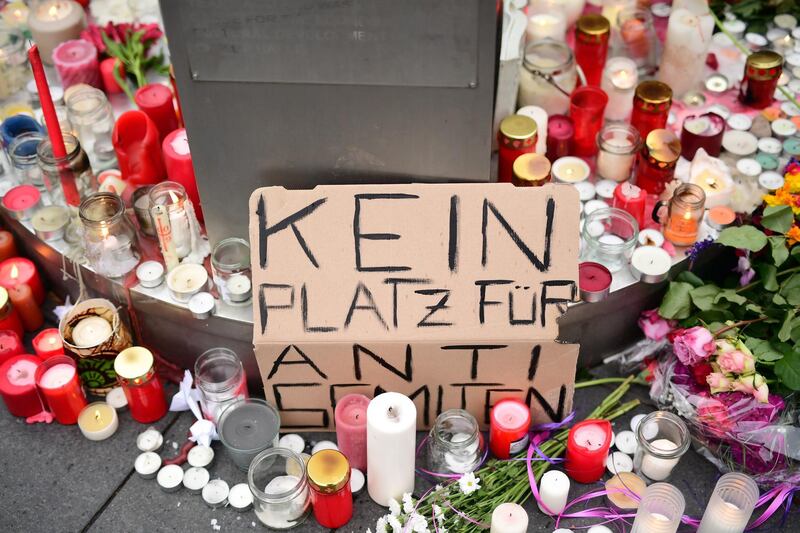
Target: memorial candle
column 15, row 14
column 553, row 491
column 247, row 427
column 731, row 505
column 688, row 38
column 22, row 201
column 560, row 132
column 8, row 248
column 509, row 423
column 761, row 73
column 178, row 162
column 509, row 518
column 570, row 170
column 90, row 331
column 651, row 102
column 29, row 312
column 22, row 271
column 618, row 145
column 704, row 131
column 619, row 82
column 517, row 136
column 632, row 199
column 138, row 146
column 48, row 343
column 587, row 449
column 136, row 373
column 328, row 474
column 54, row 21
column 686, row 210
column 592, row 33
column 110, row 85
column 660, row 510
column 391, row 447
column 10, row 345
column 586, row 108
column 351, row 429
column 18, row 385
column 594, row 281
column 98, row 421
column 657, row 161
column 58, row 382
column 76, row 62
column 9, row 318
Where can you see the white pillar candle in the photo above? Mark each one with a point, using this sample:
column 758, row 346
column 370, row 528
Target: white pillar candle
column 147, row 464
column 686, row 46
column 620, row 77
column 731, row 505
column 90, row 332
column 553, row 490
column 195, row 478
column 547, row 25
column 215, row 493
column 98, row 421
column 149, row 440
column 509, row 518
column 657, row 468
column 539, row 116
column 170, row 478
column 391, row 440
column 200, row 456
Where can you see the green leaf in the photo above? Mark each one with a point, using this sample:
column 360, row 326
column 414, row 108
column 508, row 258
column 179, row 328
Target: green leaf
column 703, row 297
column 790, row 289
column 731, row 296
column 768, row 275
column 778, row 218
column 677, row 303
column 757, row 309
column 714, row 316
column 745, row 237
column 690, row 277
column 777, row 299
column 779, row 251
column 788, row 370
column 763, row 350
column 785, row 333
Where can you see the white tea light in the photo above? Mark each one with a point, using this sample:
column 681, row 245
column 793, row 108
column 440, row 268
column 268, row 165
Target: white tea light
column 202, row 305
column 170, row 478
column 357, row 480
column 570, row 169
column 147, row 464
column 770, row 145
column 741, row 143
column 150, row 440
column 324, row 445
column 215, row 493
column 626, row 442
column 186, row 280
column 771, row 180
column 783, row 128
column 116, row 398
column 91, row 331
column 586, row 190
column 651, row 237
column 605, row 189
column 651, row 264
column 50, row 222
column 593, row 205
column 200, row 456
column 292, row 441
column 748, row 167
column 240, row 497
column 150, row 274
column 554, row 491
column 635, row 421
column 195, row 478
column 619, row 462
column 740, row 122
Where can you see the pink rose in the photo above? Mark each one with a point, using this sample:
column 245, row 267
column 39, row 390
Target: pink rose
column 754, row 384
column 693, row 345
column 736, row 362
column 719, row 382
column 653, row 326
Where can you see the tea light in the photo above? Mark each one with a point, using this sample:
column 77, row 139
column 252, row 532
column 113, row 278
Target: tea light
column 651, row 237
column 215, row 493
column 98, row 421
column 239, row 288
column 755, row 40
column 50, row 222
column 626, row 442
column 651, row 264
column 357, row 480
column 195, row 479
column 202, row 305
column 605, row 189
column 150, row 274
column 22, row 201
column 200, row 456
column 593, row 205
column 324, row 445
column 748, row 167
column 770, row 180
column 91, row 331
column 717, row 83
column 791, row 147
column 551, row 25
column 624, row 491
column 790, row 109
column 594, row 281
column 554, row 490
column 770, row 145
column 618, row 462
column 15, row 14
column 509, row 518
column 147, row 464
column 149, row 440
column 720, row 217
column 292, row 441
column 741, row 143
column 785, row 21
column 570, row 169
column 186, row 280
column 740, row 122
column 116, row 398
column 783, row 128
column 240, row 497
column 170, row 478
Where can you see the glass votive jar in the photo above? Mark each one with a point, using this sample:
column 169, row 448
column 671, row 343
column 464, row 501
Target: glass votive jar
column 455, row 443
column 587, row 107
column 93, row 119
column 329, row 481
column 67, row 179
column 618, row 145
column 517, row 136
column 731, row 504
column 761, row 73
column 24, row 159
column 619, row 82
column 657, row 160
column 136, row 373
column 140, row 199
column 109, row 240
column 230, row 267
column 172, row 196
column 277, row 479
column 14, row 126
column 14, row 70
column 220, row 378
column 60, row 386
column 651, row 103
column 247, row 427
column 637, row 38
column 685, row 212
column 663, row 439
column 609, row 237
column 592, row 35
column 547, row 76
column 660, row 510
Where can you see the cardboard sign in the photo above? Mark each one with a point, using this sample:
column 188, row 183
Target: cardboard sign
column 447, row 293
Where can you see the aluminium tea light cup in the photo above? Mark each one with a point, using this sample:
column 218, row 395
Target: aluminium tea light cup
column 240, row 497
column 184, row 281
column 49, row 223
column 651, row 264
column 739, row 122
column 618, row 463
column 200, row 456
column 570, row 169
column 98, row 421
column 195, row 479
column 22, row 201
column 150, row 274
column 215, row 493
column 147, row 465
column 770, row 145
column 651, row 237
column 741, row 143
column 783, row 128
column 202, row 305
column 170, row 478
column 594, row 281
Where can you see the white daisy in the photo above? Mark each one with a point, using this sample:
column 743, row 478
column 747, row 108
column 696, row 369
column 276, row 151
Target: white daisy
column 438, row 513
column 418, row 523
column 397, row 527
column 380, row 527
column 408, row 503
column 468, row 483
column 394, row 507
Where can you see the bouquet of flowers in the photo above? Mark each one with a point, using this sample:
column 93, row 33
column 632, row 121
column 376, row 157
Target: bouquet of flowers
column 732, row 361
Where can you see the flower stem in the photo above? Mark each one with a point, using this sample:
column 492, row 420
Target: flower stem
column 604, row 381
column 739, row 324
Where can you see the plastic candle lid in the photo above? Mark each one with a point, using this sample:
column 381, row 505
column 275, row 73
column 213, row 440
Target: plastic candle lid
column 663, row 146
column 328, row 471
column 133, row 363
column 518, row 127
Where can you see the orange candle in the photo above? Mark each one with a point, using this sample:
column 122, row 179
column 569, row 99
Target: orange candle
column 685, row 214
column 22, row 299
column 681, row 229
column 7, row 246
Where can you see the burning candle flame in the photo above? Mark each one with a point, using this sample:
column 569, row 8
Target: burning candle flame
column 14, row 272
column 687, row 215
column 97, row 415
column 53, row 11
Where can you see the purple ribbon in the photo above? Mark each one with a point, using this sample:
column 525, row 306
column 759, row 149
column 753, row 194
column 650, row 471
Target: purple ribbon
column 777, row 495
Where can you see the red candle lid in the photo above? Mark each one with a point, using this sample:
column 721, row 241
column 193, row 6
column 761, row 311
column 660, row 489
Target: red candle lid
column 21, row 378
column 153, row 95
column 76, row 51
column 21, row 198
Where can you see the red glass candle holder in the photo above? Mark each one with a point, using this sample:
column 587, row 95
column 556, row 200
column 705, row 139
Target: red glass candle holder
column 328, row 474
column 587, row 449
column 10, row 345
column 137, row 376
column 761, row 73
column 560, row 132
column 509, row 423
column 651, row 103
column 517, row 136
column 22, row 271
column 58, row 383
column 703, row 131
column 18, row 385
column 591, row 46
column 587, row 107
column 632, row 199
column 657, row 161
column 9, row 318
column 48, row 343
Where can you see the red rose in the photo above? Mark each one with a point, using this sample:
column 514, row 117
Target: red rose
column 700, row 371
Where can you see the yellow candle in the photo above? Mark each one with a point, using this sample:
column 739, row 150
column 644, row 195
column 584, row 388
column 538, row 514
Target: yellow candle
column 98, row 421
column 17, row 108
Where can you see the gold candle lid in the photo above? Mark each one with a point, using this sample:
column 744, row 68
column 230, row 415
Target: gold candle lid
column 328, row 471
column 654, row 92
column 593, row 25
column 132, row 363
column 765, row 59
column 518, row 127
column 663, row 146
column 531, row 170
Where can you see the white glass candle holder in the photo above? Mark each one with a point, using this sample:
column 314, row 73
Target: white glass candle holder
column 660, row 510
column 609, row 236
column 547, row 77
column 109, row 240
column 731, row 504
column 455, row 443
column 277, row 479
column 663, row 439
column 173, row 197
column 618, row 145
column 230, row 266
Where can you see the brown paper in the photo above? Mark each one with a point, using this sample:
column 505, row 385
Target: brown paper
column 416, row 275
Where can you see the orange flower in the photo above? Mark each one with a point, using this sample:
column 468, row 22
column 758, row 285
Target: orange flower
column 793, row 235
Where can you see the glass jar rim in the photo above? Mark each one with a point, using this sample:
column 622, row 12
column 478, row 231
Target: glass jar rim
column 620, row 127
column 217, row 262
column 229, row 409
column 633, row 11
column 11, row 40
column 655, row 451
column 111, row 199
column 218, row 386
column 685, row 190
column 83, row 95
column 280, row 497
column 173, row 191
column 23, row 138
column 45, row 150
column 611, row 213
column 456, row 413
column 552, row 44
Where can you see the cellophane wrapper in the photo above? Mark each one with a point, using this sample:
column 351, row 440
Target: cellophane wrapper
column 733, row 430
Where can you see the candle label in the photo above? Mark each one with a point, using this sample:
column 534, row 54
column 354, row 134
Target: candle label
column 444, row 293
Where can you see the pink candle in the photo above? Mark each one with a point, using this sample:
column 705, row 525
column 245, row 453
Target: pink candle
column 351, row 429
column 630, row 198
column 560, row 131
column 594, row 281
column 22, row 201
column 22, row 271
column 76, row 62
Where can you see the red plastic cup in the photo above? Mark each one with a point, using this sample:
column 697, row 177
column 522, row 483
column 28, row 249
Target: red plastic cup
column 587, row 106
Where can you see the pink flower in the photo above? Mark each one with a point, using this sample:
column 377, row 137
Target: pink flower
column 736, row 362
column 753, row 384
column 719, row 382
column 653, row 326
column 693, row 345
column 745, row 270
